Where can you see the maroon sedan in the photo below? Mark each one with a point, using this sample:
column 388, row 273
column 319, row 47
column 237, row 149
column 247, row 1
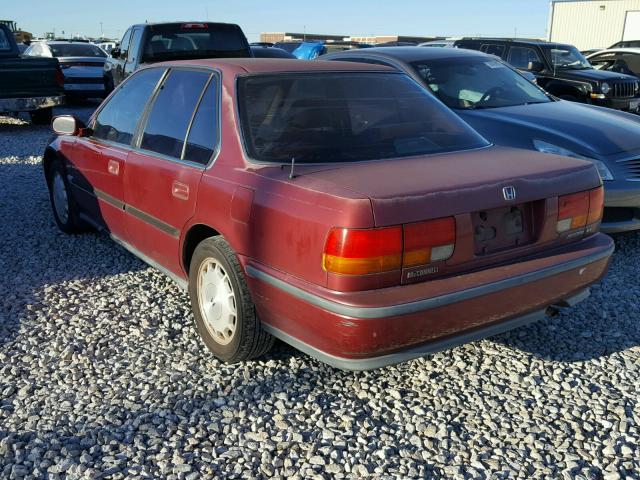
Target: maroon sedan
column 338, row 207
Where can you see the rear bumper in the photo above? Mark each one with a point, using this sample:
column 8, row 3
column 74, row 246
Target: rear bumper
column 29, row 104
column 375, row 328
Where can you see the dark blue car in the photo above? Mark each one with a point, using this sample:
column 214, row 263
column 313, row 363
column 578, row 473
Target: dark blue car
column 507, row 109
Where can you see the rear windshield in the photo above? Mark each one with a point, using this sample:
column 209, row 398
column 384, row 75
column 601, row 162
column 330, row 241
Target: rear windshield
column 195, row 41
column 76, row 50
column 5, row 45
column 345, row 117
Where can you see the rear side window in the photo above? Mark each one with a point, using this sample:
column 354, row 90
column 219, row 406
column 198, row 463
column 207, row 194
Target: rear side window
column 117, row 120
column 203, row 136
column 492, row 49
column 5, row 46
column 172, row 111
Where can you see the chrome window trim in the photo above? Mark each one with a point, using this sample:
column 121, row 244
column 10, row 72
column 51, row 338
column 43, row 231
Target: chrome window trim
column 215, row 76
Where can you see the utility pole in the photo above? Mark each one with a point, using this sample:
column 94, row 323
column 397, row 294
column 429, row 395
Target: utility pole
column 101, row 31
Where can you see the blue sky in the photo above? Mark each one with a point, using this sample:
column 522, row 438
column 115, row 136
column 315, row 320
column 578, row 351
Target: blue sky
column 348, row 17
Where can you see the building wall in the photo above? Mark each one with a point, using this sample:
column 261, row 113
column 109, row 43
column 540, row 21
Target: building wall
column 589, row 23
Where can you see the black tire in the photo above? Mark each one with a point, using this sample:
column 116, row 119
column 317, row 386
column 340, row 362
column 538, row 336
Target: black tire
column 42, row 117
column 249, row 339
column 69, row 223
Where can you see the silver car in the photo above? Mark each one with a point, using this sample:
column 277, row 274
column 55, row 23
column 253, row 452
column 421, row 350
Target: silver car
column 82, row 65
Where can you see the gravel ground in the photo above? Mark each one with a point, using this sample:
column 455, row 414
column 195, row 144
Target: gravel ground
column 103, row 376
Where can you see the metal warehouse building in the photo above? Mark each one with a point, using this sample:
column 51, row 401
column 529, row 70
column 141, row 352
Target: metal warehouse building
column 594, row 23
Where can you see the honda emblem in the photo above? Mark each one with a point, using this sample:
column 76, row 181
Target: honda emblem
column 509, row 193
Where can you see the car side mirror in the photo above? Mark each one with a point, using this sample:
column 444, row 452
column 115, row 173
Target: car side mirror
column 115, row 52
column 535, row 66
column 69, row 125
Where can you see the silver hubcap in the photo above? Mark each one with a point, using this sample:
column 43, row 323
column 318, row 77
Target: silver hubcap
column 60, row 199
column 217, row 301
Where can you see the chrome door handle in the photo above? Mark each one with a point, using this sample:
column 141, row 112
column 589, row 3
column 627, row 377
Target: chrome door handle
column 180, row 190
column 113, row 167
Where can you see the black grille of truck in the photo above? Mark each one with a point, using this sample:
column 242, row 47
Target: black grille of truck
column 624, row 89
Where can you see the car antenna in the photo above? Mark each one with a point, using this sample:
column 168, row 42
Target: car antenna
column 292, row 175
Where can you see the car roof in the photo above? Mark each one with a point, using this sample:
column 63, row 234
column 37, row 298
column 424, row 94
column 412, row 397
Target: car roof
column 527, row 41
column 411, row 54
column 67, row 42
column 266, row 65
column 617, row 50
column 157, row 24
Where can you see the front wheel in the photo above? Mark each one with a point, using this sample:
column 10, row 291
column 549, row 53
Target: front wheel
column 224, row 312
column 65, row 211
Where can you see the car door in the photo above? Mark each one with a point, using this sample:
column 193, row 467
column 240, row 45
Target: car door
column 119, row 62
column 163, row 173
column 99, row 160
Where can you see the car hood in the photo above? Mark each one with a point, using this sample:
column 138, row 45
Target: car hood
column 592, row 74
column 575, row 126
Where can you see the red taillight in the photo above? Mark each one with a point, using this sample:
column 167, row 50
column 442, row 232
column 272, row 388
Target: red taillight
column 191, row 26
column 361, row 252
column 579, row 209
column 59, row 77
column 377, row 250
column 429, row 241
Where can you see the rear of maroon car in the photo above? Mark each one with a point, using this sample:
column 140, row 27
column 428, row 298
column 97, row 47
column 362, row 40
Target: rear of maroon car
column 392, row 230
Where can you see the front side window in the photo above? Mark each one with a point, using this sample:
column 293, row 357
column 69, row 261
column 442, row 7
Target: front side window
column 117, row 120
column 520, row 57
column 124, row 43
column 345, row 117
column 61, row 50
column 566, row 57
column 627, row 63
column 172, row 111
column 478, row 82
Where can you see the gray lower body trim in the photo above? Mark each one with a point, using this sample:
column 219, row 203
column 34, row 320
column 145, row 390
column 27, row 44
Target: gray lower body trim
column 420, row 350
column 428, row 303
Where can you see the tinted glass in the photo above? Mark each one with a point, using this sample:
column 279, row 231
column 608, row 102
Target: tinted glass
column 171, row 113
column 566, row 56
column 124, row 44
column 627, row 63
column 117, row 121
column 520, row 57
column 199, row 41
column 203, row 136
column 4, row 42
column 475, row 83
column 345, row 117
column 493, row 49
column 134, row 47
column 75, row 50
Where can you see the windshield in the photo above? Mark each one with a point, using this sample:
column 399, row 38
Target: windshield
column 195, row 41
column 566, row 56
column 61, row 50
column 478, row 82
column 345, row 117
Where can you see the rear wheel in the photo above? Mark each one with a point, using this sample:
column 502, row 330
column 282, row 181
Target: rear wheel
column 224, row 312
column 65, row 211
column 42, row 117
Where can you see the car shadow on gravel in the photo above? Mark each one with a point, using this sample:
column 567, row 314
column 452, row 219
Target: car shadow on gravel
column 605, row 323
